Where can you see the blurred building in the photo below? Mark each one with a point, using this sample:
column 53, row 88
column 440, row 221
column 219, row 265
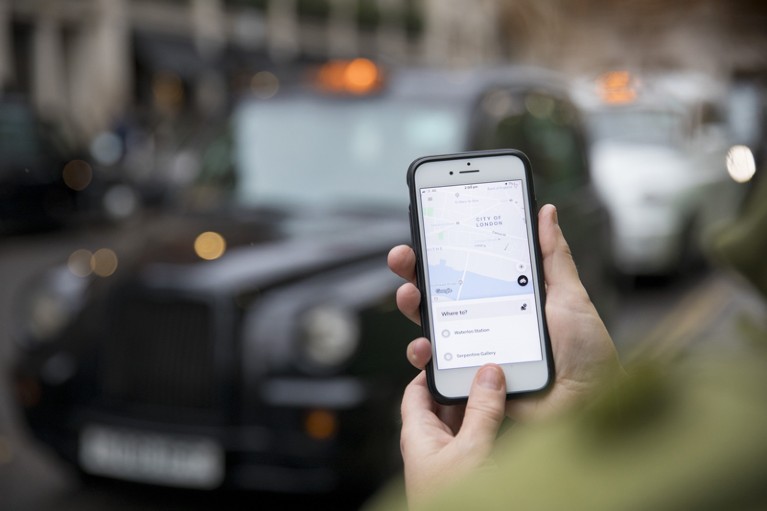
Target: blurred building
column 84, row 62
column 709, row 36
column 87, row 62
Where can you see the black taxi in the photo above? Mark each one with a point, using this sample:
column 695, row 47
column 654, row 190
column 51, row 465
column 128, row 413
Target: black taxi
column 249, row 339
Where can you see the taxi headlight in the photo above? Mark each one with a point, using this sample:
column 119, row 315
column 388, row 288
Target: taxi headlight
column 49, row 304
column 329, row 336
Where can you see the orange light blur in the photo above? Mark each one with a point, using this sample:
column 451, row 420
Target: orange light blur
column 361, row 76
column 331, row 76
column 210, row 245
column 358, row 76
column 617, row 87
column 320, row 424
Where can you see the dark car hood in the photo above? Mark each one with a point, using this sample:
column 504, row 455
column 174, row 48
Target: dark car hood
column 263, row 247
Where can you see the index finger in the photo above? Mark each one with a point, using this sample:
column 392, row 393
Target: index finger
column 417, row 400
column 558, row 266
column 401, row 260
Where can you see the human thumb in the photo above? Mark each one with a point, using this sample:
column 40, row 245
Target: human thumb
column 485, row 411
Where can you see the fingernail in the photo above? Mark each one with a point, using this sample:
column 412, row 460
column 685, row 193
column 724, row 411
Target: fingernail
column 555, row 215
column 490, row 378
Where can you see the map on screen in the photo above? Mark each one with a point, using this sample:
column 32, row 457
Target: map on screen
column 476, row 240
column 479, row 275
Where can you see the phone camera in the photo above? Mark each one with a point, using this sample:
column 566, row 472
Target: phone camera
column 451, row 172
column 468, row 163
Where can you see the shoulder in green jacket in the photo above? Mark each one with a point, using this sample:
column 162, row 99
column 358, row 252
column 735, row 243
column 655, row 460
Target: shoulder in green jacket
column 687, row 434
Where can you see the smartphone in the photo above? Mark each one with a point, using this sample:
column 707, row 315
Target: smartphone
column 474, row 228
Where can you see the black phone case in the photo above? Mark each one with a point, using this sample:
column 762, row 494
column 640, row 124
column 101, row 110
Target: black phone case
column 416, row 241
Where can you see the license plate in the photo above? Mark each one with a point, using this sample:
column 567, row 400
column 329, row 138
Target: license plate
column 167, row 460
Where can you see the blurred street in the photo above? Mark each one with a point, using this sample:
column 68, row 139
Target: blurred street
column 197, row 198
column 663, row 316
column 32, row 478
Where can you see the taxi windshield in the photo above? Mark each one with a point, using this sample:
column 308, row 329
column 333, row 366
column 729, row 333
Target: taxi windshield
column 643, row 126
column 321, row 152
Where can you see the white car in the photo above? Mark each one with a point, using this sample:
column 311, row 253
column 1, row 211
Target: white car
column 658, row 162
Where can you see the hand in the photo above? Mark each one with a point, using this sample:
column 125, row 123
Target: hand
column 584, row 354
column 441, row 444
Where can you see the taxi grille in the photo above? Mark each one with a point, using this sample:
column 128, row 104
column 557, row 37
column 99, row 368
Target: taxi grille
column 160, row 352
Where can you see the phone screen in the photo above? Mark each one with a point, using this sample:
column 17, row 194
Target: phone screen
column 479, row 278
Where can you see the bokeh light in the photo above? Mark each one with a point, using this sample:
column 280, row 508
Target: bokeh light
column 107, row 148
column 79, row 262
column 104, row 262
column 210, row 245
column 617, row 87
column 358, row 76
column 264, row 84
column 361, row 75
column 320, row 424
column 740, row 163
column 77, row 175
column 83, row 262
